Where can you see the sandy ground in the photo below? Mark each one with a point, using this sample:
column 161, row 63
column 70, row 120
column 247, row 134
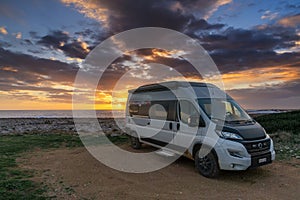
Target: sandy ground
column 75, row 174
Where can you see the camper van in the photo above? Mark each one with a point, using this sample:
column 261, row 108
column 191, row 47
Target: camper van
column 203, row 115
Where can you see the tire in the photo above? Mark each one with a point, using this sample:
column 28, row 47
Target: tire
column 135, row 143
column 208, row 165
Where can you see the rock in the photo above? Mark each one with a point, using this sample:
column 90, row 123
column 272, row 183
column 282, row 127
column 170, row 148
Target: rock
column 297, row 157
column 54, row 125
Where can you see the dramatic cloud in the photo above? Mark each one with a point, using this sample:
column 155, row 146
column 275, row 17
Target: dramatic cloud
column 119, row 15
column 21, row 70
column 253, row 59
column 239, row 49
column 74, row 48
column 199, row 8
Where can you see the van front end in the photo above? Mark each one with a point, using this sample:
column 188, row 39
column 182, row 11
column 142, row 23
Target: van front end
column 244, row 154
column 243, row 143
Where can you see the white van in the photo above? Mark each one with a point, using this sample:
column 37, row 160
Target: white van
column 168, row 109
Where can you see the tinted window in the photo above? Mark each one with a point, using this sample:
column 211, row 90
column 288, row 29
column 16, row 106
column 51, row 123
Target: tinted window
column 159, row 111
column 164, row 110
column 139, row 108
column 187, row 110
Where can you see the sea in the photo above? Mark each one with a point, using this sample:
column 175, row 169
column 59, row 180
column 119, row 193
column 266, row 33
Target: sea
column 88, row 113
column 60, row 113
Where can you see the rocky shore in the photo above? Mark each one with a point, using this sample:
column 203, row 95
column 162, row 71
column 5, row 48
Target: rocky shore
column 21, row 126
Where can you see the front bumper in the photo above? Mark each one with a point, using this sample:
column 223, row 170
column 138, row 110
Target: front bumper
column 233, row 155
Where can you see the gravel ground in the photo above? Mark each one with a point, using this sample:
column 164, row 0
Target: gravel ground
column 75, row 174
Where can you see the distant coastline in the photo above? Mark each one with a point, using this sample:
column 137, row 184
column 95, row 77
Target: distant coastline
column 42, row 114
column 268, row 111
column 59, row 114
column 61, row 121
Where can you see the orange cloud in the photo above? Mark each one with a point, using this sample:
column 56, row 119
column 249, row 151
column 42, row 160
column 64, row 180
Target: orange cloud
column 260, row 77
column 19, row 35
column 291, row 21
column 167, row 54
column 3, row 30
column 83, row 45
column 215, row 7
column 9, row 68
column 90, row 9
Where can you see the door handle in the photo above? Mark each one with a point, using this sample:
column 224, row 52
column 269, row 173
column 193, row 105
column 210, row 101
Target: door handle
column 148, row 123
column 170, row 125
column 178, row 126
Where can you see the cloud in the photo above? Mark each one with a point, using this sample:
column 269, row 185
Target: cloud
column 200, row 8
column 60, row 40
column 240, row 49
column 54, row 39
column 91, row 9
column 235, row 60
column 290, row 21
column 260, row 77
column 3, row 30
column 37, row 79
column 22, row 69
column 280, row 96
column 119, row 15
column 19, row 35
column 265, row 38
column 269, row 15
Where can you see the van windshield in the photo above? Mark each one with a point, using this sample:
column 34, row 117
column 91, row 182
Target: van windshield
column 233, row 112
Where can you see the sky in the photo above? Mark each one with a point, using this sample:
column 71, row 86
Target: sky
column 43, row 44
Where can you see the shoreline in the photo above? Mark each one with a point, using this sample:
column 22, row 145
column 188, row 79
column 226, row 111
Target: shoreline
column 22, row 126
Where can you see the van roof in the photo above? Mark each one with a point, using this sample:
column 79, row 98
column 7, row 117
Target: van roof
column 169, row 85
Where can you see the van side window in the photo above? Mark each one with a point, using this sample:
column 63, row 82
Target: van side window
column 158, row 110
column 164, row 110
column 186, row 110
column 139, row 108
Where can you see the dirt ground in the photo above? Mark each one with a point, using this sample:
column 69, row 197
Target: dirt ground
column 75, row 174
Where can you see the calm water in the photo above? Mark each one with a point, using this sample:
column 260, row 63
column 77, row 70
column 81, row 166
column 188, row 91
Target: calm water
column 57, row 114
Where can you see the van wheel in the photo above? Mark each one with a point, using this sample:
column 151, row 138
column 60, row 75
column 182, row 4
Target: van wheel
column 135, row 143
column 208, row 165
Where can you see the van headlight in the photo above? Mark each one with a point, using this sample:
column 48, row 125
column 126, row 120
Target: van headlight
column 229, row 135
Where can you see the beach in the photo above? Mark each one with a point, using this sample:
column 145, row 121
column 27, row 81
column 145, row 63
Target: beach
column 22, row 126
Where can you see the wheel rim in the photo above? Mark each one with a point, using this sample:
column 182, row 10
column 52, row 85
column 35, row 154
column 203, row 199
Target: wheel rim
column 205, row 164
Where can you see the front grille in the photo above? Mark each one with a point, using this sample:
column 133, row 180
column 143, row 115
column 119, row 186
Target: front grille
column 260, row 160
column 257, row 147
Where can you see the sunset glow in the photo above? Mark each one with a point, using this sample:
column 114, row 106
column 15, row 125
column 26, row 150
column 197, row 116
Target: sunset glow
column 256, row 53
